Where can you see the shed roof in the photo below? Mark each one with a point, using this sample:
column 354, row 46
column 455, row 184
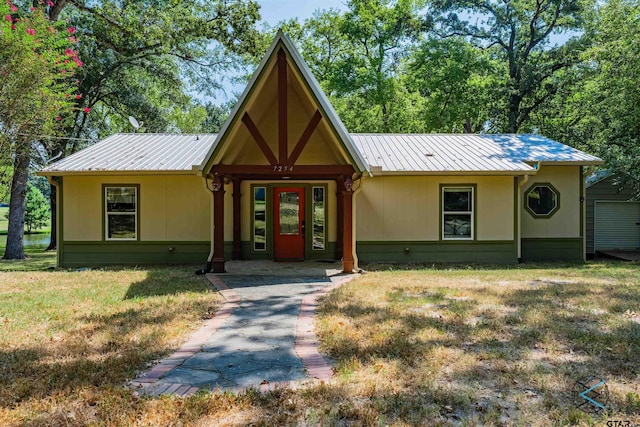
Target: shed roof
column 385, row 153
column 138, row 152
column 464, row 153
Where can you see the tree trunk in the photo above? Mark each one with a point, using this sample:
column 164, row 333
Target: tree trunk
column 15, row 234
column 53, row 243
column 514, row 112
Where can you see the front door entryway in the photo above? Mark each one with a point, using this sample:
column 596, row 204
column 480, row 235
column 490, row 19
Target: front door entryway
column 288, row 214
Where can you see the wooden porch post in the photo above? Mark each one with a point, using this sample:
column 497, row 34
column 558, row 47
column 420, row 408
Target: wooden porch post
column 218, row 225
column 347, row 235
column 237, row 239
column 340, row 216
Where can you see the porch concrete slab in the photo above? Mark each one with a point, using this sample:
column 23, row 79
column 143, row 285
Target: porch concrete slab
column 255, row 344
column 326, row 268
column 628, row 255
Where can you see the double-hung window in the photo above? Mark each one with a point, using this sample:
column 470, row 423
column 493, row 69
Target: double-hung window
column 121, row 212
column 457, row 213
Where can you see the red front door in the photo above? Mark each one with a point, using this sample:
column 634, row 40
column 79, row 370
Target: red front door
column 288, row 217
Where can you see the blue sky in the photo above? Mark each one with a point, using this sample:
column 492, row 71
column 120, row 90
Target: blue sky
column 273, row 11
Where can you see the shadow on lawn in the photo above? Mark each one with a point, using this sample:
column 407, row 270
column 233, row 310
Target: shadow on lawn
column 74, row 362
column 546, row 339
column 171, row 280
column 102, row 350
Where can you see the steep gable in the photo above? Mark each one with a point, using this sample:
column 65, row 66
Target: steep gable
column 283, row 118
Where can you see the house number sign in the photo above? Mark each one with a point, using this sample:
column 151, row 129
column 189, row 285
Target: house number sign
column 282, row 169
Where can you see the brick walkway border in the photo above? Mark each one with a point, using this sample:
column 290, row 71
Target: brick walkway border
column 305, row 346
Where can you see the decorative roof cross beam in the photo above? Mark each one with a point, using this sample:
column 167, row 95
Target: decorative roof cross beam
column 283, row 129
column 259, row 139
column 304, row 138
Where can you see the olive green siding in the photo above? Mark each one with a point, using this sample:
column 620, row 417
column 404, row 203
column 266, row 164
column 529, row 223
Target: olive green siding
column 549, row 249
column 500, row 252
column 98, row 254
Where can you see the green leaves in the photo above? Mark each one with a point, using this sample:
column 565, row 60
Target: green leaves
column 37, row 211
column 37, row 67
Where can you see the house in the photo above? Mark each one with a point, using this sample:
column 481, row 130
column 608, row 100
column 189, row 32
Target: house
column 613, row 216
column 285, row 180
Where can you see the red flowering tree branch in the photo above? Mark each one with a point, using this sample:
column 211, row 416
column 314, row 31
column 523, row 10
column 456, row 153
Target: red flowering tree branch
column 38, row 62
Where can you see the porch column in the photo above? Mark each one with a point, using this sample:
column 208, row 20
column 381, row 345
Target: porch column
column 340, row 216
column 237, row 239
column 218, row 225
column 347, row 235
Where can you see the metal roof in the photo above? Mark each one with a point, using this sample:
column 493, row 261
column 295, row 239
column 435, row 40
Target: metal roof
column 598, row 176
column 464, row 153
column 138, row 152
column 384, row 153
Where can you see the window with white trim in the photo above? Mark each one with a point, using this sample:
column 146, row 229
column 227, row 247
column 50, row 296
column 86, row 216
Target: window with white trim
column 457, row 213
column 121, row 213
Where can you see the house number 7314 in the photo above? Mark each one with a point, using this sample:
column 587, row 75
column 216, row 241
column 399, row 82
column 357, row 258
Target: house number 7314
column 280, row 168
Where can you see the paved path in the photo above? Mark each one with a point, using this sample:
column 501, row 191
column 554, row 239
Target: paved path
column 262, row 337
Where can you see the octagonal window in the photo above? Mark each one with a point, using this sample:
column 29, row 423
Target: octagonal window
column 542, row 200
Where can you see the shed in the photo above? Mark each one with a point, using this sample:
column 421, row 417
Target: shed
column 613, row 216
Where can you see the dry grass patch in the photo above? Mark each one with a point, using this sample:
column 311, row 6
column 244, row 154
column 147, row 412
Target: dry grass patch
column 492, row 346
column 418, row 347
column 70, row 340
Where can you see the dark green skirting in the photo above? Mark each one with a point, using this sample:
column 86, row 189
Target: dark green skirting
column 99, row 254
column 565, row 249
column 493, row 252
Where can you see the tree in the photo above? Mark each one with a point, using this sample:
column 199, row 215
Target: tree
column 614, row 88
column 37, row 64
column 457, row 81
column 37, row 211
column 357, row 57
column 216, row 116
column 600, row 112
column 519, row 32
column 142, row 60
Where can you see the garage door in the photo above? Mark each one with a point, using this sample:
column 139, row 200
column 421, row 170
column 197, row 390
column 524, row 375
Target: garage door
column 617, row 225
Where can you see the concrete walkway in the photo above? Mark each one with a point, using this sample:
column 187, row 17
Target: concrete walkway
column 262, row 336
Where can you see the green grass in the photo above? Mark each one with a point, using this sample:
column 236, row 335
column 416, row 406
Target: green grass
column 37, row 260
column 4, row 222
column 425, row 346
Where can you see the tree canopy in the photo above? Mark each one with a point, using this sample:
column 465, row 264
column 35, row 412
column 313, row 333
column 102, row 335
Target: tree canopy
column 38, row 63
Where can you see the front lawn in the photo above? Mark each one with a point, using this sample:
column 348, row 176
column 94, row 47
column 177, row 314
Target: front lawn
column 70, row 340
column 463, row 346
column 488, row 346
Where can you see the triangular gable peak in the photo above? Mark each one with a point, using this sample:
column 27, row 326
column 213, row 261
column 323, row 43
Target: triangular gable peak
column 283, row 122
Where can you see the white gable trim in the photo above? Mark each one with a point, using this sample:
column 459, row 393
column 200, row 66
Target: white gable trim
column 328, row 110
